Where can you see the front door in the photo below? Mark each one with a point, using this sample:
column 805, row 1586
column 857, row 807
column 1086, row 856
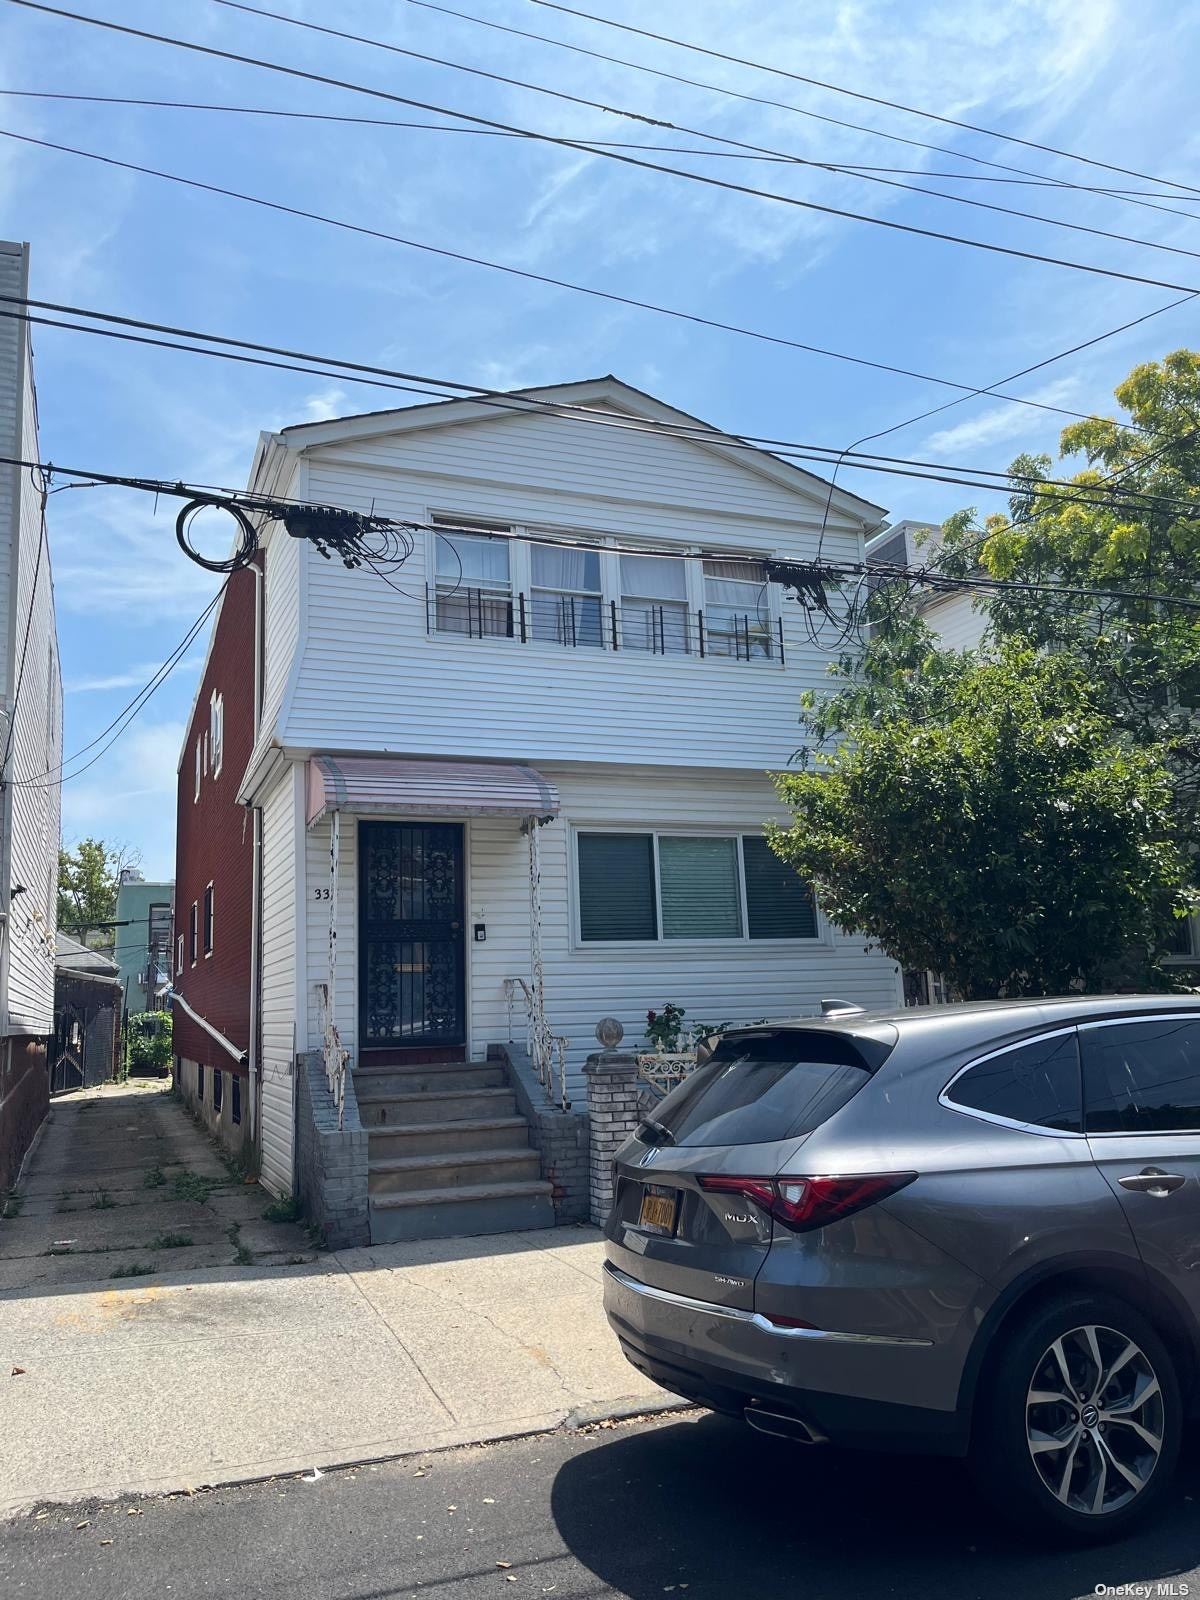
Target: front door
column 412, row 956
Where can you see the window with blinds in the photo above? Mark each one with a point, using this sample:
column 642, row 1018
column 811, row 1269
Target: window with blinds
column 616, row 886
column 737, row 616
column 648, row 887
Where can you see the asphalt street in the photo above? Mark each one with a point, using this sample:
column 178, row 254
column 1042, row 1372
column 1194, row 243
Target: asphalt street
column 691, row 1506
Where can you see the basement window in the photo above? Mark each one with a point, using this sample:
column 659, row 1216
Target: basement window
column 218, row 1088
column 200, row 1082
column 235, row 1097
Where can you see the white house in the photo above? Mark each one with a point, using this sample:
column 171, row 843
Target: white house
column 952, row 613
column 528, row 767
column 30, row 746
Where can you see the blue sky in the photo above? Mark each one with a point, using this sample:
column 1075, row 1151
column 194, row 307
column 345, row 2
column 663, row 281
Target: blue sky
column 1112, row 78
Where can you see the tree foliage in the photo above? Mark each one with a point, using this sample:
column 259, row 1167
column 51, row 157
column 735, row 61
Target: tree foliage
column 1023, row 817
column 1003, row 837
column 89, row 874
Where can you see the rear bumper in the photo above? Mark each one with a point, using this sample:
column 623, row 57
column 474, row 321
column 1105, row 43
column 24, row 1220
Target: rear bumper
column 855, row 1389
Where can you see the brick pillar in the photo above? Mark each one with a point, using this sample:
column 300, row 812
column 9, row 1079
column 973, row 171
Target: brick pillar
column 612, row 1098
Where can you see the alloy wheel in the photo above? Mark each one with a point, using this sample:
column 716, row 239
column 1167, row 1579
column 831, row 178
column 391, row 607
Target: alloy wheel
column 1094, row 1419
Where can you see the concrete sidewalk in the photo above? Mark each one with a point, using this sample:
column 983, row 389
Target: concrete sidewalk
column 215, row 1373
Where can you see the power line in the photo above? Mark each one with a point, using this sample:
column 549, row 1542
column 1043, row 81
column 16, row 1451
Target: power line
column 583, row 147
column 128, row 712
column 854, row 94
column 584, row 289
column 986, row 479
column 802, row 111
column 864, row 175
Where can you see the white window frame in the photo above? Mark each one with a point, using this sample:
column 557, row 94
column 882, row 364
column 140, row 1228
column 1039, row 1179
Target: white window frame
column 611, row 547
column 180, row 944
column 194, row 932
column 823, row 938
column 216, row 725
column 209, row 916
column 1191, row 957
column 196, row 794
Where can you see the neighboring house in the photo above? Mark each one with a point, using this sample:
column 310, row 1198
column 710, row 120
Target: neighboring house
column 87, row 1017
column 143, row 939
column 952, row 614
column 512, row 766
column 30, row 747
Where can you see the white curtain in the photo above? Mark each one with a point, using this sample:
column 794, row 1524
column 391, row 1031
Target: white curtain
column 654, row 577
column 472, row 559
column 555, row 567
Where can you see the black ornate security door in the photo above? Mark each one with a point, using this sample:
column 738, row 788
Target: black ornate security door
column 412, row 955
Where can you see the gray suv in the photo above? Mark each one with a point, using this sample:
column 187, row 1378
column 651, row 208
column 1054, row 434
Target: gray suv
column 971, row 1230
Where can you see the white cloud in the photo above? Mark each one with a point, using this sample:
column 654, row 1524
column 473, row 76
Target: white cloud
column 131, row 678
column 131, row 790
column 319, row 407
column 1002, row 422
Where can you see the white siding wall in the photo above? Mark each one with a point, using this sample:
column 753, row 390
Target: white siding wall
column 281, row 620
column 371, row 677
column 956, row 622
column 283, row 891
column 13, row 334
column 714, row 982
column 32, row 803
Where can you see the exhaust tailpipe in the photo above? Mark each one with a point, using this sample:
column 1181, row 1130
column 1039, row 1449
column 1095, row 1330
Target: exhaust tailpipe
column 783, row 1425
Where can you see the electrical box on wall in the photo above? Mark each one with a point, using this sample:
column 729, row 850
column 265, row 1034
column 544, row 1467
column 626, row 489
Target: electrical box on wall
column 480, row 932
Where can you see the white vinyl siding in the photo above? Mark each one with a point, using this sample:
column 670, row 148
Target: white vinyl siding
column 281, row 621
column 725, row 980
column 32, row 804
column 282, row 884
column 377, row 674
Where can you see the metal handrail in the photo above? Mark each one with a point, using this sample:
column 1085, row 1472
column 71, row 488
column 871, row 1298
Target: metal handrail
column 580, row 622
column 546, row 1049
column 335, row 1054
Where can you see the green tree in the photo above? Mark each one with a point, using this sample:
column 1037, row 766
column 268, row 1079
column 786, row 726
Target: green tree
column 1143, row 657
column 89, row 874
column 985, row 818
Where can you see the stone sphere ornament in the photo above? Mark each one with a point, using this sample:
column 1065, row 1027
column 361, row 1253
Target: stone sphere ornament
column 609, row 1032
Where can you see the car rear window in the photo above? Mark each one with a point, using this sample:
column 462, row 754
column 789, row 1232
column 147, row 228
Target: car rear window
column 757, row 1088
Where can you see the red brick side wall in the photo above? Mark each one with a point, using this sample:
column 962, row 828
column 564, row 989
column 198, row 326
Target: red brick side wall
column 24, row 1101
column 214, row 842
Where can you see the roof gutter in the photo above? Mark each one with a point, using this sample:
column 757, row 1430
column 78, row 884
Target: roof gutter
column 240, row 1056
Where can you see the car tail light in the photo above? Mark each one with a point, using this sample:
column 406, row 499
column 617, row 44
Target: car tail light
column 806, row 1203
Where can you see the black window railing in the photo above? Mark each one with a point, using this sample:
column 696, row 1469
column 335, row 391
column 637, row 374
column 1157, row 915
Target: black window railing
column 578, row 622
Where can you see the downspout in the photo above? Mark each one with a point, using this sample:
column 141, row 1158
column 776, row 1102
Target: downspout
column 255, row 1051
column 235, row 1051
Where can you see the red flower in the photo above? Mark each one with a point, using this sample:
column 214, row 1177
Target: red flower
column 651, row 1016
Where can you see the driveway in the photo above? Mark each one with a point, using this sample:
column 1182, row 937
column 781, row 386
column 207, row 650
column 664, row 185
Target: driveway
column 246, row 1353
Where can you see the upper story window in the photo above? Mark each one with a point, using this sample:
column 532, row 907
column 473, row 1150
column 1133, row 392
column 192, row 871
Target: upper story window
column 473, row 589
column 654, row 604
column 737, row 609
column 538, row 588
column 216, row 731
column 644, row 887
column 566, row 598
column 179, row 955
column 193, row 931
column 199, row 760
column 208, row 920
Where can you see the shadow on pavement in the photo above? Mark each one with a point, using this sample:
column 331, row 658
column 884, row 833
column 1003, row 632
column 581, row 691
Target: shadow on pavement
column 712, row 1506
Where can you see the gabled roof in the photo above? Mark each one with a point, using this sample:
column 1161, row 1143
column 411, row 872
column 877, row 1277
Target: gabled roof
column 607, row 393
column 72, row 956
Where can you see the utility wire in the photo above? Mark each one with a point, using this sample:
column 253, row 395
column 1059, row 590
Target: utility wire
column 1033, row 182
column 985, row 478
column 583, row 147
column 1133, row 198
column 877, row 100
column 864, row 175
column 578, row 288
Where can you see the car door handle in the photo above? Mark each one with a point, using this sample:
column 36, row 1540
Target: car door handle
column 1152, row 1181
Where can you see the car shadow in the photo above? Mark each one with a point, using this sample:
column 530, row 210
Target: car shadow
column 706, row 1507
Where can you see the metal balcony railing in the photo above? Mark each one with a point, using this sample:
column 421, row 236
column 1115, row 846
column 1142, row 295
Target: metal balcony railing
column 586, row 622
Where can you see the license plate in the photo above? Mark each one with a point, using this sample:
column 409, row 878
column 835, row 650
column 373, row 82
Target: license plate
column 659, row 1207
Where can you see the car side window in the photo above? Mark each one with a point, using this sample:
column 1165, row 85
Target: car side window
column 1142, row 1077
column 1036, row 1084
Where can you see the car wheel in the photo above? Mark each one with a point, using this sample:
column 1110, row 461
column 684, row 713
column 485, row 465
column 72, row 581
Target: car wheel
column 1078, row 1419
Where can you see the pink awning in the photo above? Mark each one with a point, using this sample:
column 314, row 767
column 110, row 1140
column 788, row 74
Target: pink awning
column 401, row 786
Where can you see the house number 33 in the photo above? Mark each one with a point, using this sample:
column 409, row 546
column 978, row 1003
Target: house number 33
column 320, row 894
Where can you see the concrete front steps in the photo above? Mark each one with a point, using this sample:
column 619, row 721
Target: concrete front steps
column 448, row 1153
